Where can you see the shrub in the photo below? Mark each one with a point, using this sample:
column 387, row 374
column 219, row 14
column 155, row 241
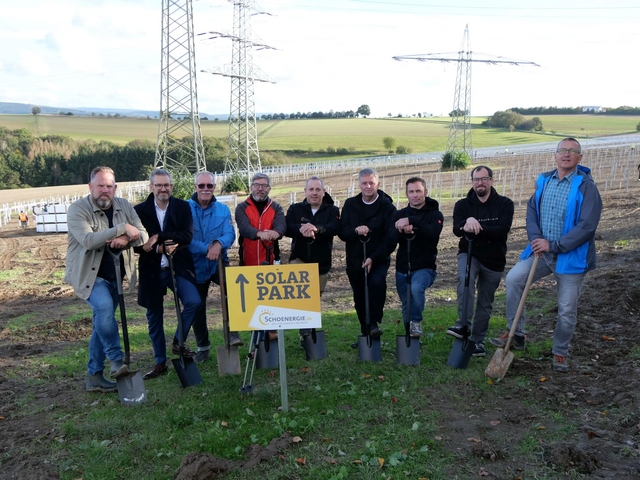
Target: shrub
column 235, row 183
column 400, row 149
column 182, row 184
column 342, row 151
column 330, row 149
column 458, row 159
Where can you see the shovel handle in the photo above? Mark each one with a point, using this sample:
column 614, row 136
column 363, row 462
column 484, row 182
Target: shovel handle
column 525, row 292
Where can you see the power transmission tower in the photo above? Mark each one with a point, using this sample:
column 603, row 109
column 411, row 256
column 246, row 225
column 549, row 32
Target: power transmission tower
column 243, row 155
column 460, row 129
column 179, row 116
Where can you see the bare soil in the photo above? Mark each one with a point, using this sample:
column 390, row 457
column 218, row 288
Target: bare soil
column 601, row 393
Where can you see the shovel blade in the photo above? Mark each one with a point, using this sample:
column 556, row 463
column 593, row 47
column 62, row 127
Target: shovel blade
column 461, row 353
column 499, row 364
column 317, row 350
column 228, row 361
column 131, row 389
column 188, row 374
column 407, row 355
column 368, row 353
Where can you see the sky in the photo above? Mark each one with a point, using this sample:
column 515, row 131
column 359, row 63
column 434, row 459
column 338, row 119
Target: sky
column 328, row 54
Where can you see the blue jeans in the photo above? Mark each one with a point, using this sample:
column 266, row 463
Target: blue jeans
column 105, row 339
column 420, row 281
column 569, row 289
column 188, row 295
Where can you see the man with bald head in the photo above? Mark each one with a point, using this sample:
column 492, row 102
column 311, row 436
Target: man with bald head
column 213, row 234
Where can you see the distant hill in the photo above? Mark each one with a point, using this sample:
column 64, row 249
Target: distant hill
column 25, row 109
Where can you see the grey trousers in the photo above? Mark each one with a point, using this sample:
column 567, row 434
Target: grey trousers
column 569, row 289
column 487, row 283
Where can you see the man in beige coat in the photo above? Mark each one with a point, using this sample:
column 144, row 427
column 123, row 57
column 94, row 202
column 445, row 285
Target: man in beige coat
column 96, row 222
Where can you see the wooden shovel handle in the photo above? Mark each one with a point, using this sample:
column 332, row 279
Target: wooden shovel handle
column 525, row 292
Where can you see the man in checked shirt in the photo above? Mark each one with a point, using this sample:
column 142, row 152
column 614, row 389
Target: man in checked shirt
column 562, row 217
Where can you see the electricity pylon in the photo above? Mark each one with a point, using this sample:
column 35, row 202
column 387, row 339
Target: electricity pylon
column 460, row 129
column 179, row 145
column 243, row 155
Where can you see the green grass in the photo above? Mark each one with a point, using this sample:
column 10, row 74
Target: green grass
column 364, row 136
column 344, row 410
column 9, row 274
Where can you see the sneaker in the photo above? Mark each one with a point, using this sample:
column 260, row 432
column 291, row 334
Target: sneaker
column 459, row 332
column 518, row 342
column 479, row 351
column 376, row 331
column 201, row 356
column 235, row 340
column 414, row 330
column 560, row 363
column 97, row 383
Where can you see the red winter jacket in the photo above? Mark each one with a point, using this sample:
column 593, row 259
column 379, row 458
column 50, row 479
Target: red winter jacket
column 250, row 222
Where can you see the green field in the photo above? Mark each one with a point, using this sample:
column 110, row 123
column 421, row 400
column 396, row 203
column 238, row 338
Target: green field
column 361, row 136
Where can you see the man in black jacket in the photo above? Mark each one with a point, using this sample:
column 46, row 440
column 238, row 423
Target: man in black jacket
column 166, row 219
column 420, row 223
column 368, row 217
column 486, row 217
column 312, row 224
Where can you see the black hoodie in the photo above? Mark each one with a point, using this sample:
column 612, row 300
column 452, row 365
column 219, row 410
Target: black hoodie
column 379, row 218
column 495, row 217
column 326, row 220
column 427, row 222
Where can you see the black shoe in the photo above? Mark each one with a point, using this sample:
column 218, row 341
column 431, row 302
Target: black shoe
column 479, row 351
column 155, row 372
column 201, row 356
column 376, row 332
column 235, row 340
column 187, row 352
column 97, row 383
column 354, row 345
column 459, row 332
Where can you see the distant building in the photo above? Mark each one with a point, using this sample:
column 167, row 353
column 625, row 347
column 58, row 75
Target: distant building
column 592, row 109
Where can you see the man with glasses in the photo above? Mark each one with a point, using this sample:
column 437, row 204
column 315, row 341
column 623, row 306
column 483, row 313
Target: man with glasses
column 485, row 217
column 213, row 234
column 97, row 222
column 261, row 223
column 170, row 226
column 562, row 217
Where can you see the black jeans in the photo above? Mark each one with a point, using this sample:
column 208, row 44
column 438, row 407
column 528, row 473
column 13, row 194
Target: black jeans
column 200, row 329
column 377, row 294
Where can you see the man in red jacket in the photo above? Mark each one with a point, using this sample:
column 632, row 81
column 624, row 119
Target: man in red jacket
column 261, row 224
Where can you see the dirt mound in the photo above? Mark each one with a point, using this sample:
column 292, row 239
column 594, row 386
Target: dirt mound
column 202, row 466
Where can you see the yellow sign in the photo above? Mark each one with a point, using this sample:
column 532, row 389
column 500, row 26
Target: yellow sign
column 273, row 297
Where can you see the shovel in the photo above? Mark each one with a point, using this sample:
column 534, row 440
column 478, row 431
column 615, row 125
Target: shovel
column 228, row 356
column 462, row 349
column 186, row 368
column 504, row 356
column 266, row 341
column 408, row 352
column 130, row 387
column 368, row 348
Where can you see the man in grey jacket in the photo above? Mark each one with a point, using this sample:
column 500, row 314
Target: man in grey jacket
column 97, row 222
column 562, row 217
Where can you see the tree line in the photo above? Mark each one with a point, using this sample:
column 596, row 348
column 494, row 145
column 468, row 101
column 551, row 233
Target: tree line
column 624, row 110
column 513, row 121
column 363, row 110
column 32, row 161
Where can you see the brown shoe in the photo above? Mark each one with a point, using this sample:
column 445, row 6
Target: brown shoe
column 273, row 335
column 186, row 353
column 235, row 340
column 159, row 369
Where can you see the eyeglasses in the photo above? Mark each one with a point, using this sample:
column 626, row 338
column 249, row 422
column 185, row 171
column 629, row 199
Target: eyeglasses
column 481, row 179
column 160, row 186
column 261, row 186
column 573, row 151
column 203, row 185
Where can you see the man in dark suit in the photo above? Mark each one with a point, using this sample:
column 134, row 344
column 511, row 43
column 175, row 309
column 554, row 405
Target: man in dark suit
column 166, row 219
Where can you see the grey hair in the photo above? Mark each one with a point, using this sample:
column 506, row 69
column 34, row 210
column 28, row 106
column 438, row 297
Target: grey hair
column 259, row 175
column 571, row 139
column 367, row 171
column 315, row 177
column 159, row 171
column 204, row 172
column 98, row 170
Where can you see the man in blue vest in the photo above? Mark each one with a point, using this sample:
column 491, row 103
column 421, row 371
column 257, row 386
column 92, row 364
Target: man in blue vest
column 562, row 217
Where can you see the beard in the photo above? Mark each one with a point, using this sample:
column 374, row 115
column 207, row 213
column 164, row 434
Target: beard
column 103, row 202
